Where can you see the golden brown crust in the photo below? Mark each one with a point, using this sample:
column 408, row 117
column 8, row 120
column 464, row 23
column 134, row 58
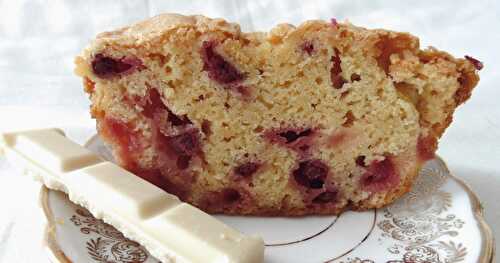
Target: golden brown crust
column 155, row 28
column 467, row 79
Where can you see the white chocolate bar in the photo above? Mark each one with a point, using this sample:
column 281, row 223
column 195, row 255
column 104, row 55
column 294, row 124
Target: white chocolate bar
column 171, row 230
column 61, row 157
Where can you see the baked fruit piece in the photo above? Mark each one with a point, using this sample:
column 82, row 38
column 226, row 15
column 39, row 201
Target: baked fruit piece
column 302, row 120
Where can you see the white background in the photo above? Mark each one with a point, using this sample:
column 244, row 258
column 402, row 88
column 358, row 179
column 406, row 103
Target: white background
column 39, row 39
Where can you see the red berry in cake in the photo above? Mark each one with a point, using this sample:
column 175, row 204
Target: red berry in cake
column 297, row 139
column 335, row 76
column 334, row 22
column 206, row 127
column 292, row 135
column 380, row 176
column 174, row 136
column 152, row 103
column 126, row 141
column 360, row 160
column 326, row 197
column 311, row 173
column 349, row 119
column 183, row 162
column 105, row 67
column 355, row 77
column 477, row 64
column 185, row 144
column 308, row 47
column 225, row 198
column 176, row 120
column 246, row 169
column 230, row 195
column 426, row 147
column 176, row 152
column 217, row 67
column 242, row 90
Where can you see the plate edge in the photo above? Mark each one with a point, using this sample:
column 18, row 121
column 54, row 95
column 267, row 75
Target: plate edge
column 56, row 255
column 488, row 250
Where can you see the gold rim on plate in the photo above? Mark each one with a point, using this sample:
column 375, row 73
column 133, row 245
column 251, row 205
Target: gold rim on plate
column 488, row 250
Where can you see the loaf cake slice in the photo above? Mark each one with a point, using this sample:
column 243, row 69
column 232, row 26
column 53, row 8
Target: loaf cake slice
column 313, row 119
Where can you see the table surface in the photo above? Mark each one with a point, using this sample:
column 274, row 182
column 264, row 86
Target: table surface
column 38, row 41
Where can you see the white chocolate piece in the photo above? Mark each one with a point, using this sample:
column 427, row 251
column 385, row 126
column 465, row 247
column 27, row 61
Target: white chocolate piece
column 49, row 149
column 125, row 193
column 220, row 243
column 55, row 154
column 172, row 231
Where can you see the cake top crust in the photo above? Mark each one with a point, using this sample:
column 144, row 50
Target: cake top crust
column 159, row 25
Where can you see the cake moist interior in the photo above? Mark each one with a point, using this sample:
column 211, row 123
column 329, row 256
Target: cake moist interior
column 302, row 120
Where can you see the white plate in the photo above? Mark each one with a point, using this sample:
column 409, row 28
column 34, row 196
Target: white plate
column 439, row 221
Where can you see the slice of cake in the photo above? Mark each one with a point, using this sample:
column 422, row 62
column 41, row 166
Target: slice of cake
column 302, row 120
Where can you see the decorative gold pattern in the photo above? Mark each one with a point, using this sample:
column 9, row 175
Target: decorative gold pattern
column 111, row 246
column 417, row 220
column 425, row 254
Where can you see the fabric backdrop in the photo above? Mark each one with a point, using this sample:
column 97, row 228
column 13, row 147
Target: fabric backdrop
column 39, row 39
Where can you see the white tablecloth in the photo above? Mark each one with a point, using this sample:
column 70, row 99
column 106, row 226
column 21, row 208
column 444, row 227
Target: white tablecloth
column 38, row 40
